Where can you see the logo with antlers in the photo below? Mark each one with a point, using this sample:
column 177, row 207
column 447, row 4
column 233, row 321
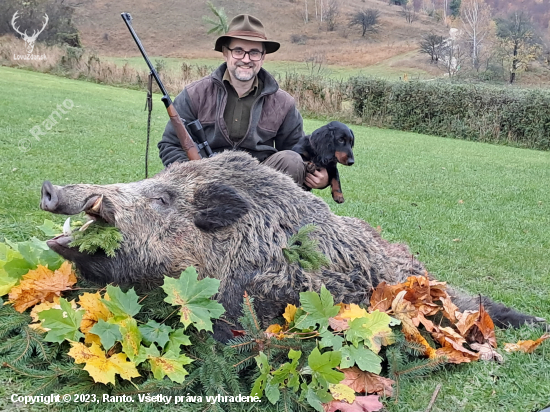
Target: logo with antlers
column 29, row 40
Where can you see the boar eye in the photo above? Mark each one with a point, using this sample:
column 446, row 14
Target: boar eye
column 160, row 201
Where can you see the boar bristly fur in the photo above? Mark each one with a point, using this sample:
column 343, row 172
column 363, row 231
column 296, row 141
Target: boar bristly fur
column 230, row 218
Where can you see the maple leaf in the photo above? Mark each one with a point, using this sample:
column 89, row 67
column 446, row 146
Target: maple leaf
column 466, row 320
column 342, row 392
column 41, row 285
column 382, row 297
column 367, row 382
column 275, row 331
column 365, row 358
column 107, row 332
column 154, row 332
column 176, row 339
column 121, row 304
column 95, row 310
column 351, row 312
column 360, row 404
column 170, row 364
column 338, row 325
column 452, row 346
column 321, row 366
column 487, row 352
column 449, row 308
column 290, row 312
column 61, row 323
column 370, row 329
column 319, row 308
column 131, row 337
column 527, row 346
column 486, row 328
column 194, row 298
column 101, row 368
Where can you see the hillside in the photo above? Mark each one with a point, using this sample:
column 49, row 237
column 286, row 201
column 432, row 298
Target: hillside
column 175, row 29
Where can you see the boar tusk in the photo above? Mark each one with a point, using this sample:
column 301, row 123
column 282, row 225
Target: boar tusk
column 67, row 227
column 85, row 225
column 97, row 204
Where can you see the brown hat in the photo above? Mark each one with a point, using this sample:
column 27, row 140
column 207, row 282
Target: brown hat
column 247, row 27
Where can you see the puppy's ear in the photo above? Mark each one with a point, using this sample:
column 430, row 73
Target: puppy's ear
column 322, row 141
column 218, row 205
column 352, row 137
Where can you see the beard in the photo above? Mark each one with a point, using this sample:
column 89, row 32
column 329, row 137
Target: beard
column 242, row 75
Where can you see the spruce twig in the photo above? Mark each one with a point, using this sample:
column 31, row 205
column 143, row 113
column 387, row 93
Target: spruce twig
column 99, row 235
column 304, row 251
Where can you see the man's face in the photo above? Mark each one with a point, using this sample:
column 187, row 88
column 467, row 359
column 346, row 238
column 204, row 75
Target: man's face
column 243, row 69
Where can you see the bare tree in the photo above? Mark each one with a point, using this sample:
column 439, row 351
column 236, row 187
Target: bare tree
column 453, row 53
column 367, row 19
column 432, row 44
column 478, row 25
column 408, row 11
column 332, row 13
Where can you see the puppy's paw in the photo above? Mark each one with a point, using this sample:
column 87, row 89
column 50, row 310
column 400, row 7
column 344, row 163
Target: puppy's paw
column 310, row 167
column 338, row 198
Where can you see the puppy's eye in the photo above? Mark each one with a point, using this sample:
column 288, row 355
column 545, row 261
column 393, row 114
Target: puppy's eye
column 340, row 140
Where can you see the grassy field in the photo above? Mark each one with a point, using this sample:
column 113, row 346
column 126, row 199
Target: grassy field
column 477, row 215
column 382, row 70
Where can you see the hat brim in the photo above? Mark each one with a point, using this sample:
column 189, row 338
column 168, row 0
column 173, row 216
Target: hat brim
column 270, row 46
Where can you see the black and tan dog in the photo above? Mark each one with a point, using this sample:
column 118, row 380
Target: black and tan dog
column 327, row 146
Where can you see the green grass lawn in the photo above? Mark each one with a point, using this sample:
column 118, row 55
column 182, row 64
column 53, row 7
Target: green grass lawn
column 477, row 215
column 382, row 70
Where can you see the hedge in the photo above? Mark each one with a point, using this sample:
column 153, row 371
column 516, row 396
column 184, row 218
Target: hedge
column 518, row 117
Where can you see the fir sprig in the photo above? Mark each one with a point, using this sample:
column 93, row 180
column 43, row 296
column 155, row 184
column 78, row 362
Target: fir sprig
column 99, row 235
column 303, row 250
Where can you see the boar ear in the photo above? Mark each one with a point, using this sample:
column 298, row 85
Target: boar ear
column 218, row 205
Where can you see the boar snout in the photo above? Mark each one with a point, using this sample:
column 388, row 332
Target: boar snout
column 49, row 200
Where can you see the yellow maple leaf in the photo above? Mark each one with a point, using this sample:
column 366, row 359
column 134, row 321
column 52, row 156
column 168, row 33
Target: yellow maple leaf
column 290, row 312
column 95, row 310
column 275, row 331
column 101, row 368
column 90, row 338
column 342, row 392
column 351, row 311
column 45, row 306
column 41, row 285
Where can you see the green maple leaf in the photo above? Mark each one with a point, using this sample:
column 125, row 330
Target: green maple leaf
column 176, row 339
column 194, row 298
column 261, row 381
column 329, row 339
column 153, row 331
column 131, row 337
column 36, row 252
column 50, row 228
column 319, row 308
column 365, row 359
column 287, row 372
column 321, row 367
column 108, row 333
column 368, row 329
column 63, row 323
column 170, row 364
column 122, row 304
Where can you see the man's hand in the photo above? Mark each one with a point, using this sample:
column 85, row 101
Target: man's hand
column 317, row 180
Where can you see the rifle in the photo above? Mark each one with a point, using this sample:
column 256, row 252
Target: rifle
column 185, row 139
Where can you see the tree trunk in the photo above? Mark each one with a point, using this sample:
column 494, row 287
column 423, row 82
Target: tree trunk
column 514, row 63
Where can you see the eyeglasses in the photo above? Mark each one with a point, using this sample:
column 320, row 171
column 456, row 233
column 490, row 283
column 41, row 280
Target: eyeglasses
column 239, row 53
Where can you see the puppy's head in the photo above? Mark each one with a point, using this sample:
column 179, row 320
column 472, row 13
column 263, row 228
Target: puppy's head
column 334, row 140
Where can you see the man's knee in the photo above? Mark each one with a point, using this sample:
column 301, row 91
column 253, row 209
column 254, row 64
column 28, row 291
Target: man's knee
column 288, row 162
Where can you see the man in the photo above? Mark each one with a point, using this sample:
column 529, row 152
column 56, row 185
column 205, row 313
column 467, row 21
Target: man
column 240, row 106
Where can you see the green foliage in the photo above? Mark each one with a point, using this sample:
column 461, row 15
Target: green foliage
column 121, row 303
column 471, row 112
column 454, row 5
column 219, row 22
column 194, row 298
column 99, row 235
column 318, row 308
column 63, row 323
column 303, row 250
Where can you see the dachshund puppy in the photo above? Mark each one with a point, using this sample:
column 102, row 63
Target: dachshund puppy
column 327, row 146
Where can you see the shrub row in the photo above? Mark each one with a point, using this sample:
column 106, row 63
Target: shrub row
column 518, row 117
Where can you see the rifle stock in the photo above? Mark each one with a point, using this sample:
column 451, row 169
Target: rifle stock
column 185, row 139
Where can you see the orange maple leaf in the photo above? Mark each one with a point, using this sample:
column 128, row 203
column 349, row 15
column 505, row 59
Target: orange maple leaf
column 527, row 346
column 41, row 285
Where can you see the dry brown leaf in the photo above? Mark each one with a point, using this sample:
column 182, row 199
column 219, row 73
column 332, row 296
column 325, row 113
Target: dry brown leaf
column 381, row 298
column 486, row 327
column 360, row 404
column 449, row 308
column 41, row 285
column 338, row 325
column 466, row 320
column 367, row 382
column 527, row 346
column 487, row 352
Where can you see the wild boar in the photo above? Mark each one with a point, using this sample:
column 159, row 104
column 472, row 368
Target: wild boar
column 230, row 217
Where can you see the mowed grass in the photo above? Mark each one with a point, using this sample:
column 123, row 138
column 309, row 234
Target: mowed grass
column 477, row 215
